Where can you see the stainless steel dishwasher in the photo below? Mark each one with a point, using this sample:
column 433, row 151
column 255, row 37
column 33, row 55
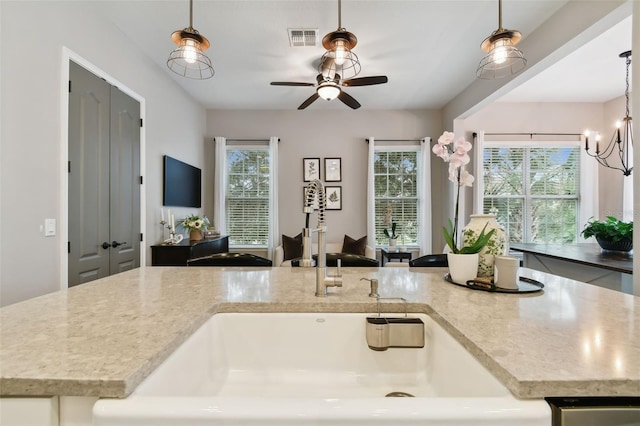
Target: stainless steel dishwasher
column 595, row 411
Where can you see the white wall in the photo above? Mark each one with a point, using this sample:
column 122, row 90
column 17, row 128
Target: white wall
column 322, row 133
column 32, row 35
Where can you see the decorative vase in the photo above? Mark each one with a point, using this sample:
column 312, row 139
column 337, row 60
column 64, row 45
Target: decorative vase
column 497, row 245
column 392, row 244
column 462, row 267
column 195, row 235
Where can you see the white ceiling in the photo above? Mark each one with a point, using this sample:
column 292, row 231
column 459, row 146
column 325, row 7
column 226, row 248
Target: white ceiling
column 593, row 73
column 428, row 49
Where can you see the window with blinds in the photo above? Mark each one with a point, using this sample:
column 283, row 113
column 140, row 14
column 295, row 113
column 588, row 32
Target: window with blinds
column 247, row 196
column 396, row 188
column 533, row 191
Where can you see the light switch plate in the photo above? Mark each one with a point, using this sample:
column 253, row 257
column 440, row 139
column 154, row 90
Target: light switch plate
column 49, row 227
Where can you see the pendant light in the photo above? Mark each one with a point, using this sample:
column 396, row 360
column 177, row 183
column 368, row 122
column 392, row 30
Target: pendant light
column 503, row 58
column 188, row 59
column 622, row 139
column 339, row 58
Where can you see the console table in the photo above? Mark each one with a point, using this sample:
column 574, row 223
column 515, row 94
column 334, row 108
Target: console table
column 179, row 254
column 394, row 254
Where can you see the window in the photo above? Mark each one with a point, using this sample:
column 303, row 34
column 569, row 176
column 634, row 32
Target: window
column 396, row 186
column 534, row 190
column 247, row 196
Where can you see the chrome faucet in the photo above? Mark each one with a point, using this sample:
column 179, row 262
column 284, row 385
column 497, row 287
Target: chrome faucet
column 315, row 190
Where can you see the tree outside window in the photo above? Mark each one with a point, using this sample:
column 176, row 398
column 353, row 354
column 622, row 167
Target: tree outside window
column 534, row 192
column 396, row 188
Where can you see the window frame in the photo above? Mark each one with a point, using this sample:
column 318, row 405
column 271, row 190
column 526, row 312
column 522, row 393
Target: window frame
column 586, row 202
column 247, row 147
column 419, row 190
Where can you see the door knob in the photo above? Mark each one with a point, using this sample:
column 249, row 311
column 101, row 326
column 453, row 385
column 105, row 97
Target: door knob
column 106, row 245
column 115, row 244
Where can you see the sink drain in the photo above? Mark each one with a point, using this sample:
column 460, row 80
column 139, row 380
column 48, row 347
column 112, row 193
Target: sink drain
column 399, row 395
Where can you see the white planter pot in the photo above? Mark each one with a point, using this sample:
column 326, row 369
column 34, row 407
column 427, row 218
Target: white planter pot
column 463, row 267
column 497, row 245
column 392, row 244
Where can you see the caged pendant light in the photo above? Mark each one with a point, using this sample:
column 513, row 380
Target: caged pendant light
column 503, row 58
column 188, row 59
column 339, row 59
column 621, row 142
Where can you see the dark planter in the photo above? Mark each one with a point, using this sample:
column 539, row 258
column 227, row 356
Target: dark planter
column 623, row 245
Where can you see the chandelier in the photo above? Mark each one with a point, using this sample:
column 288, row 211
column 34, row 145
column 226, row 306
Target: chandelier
column 621, row 142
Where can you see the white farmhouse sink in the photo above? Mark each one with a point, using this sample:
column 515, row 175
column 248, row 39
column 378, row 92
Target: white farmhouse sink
column 313, row 369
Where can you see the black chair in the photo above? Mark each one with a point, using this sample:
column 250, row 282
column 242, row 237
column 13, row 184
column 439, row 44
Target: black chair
column 230, row 259
column 430, row 261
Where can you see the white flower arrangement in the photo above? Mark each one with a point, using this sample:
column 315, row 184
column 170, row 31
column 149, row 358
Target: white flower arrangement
column 195, row 222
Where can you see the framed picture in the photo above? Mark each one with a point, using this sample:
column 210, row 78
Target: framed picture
column 311, row 169
column 315, row 204
column 334, row 197
column 332, row 169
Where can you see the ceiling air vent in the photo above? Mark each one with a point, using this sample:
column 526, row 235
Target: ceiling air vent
column 299, row 37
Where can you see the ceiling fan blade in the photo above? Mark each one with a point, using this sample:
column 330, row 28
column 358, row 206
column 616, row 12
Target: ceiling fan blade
column 309, row 101
column 365, row 81
column 290, row 83
column 348, row 100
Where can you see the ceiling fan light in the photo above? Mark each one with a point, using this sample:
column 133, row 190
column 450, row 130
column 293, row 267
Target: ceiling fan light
column 328, row 91
column 329, row 66
column 341, row 49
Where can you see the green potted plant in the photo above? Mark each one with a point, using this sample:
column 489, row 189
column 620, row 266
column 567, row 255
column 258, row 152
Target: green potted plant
column 391, row 235
column 611, row 234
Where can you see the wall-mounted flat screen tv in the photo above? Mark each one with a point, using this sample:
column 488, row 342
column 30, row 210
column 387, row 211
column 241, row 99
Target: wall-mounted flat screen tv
column 182, row 184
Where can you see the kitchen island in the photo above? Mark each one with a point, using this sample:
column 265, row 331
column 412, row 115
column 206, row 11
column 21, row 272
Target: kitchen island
column 585, row 262
column 103, row 338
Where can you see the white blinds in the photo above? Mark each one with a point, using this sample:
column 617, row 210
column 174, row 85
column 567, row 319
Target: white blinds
column 534, row 190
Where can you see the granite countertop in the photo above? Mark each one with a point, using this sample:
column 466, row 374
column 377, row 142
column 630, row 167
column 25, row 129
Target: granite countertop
column 583, row 253
column 103, row 338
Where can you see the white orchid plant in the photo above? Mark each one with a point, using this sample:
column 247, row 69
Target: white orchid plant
column 456, row 153
column 388, row 222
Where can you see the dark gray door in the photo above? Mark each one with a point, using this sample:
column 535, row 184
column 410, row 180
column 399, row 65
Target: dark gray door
column 125, row 183
column 104, row 178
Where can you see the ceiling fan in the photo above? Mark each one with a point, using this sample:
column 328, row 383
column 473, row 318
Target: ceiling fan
column 330, row 88
column 338, row 67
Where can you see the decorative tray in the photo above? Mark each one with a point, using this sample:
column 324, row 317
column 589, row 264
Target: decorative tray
column 525, row 285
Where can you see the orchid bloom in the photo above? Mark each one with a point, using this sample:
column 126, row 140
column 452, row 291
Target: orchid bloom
column 466, row 178
column 456, row 153
column 441, row 151
column 460, row 156
column 446, row 138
